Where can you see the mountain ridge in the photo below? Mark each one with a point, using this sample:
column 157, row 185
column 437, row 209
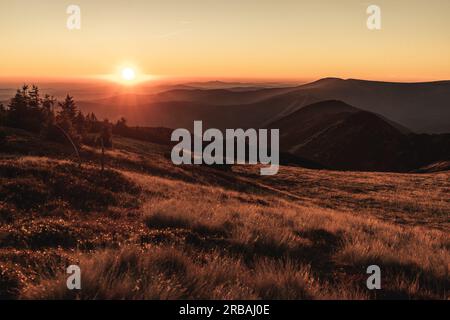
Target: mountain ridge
column 344, row 137
column 422, row 107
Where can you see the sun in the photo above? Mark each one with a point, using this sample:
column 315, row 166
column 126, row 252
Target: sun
column 128, row 74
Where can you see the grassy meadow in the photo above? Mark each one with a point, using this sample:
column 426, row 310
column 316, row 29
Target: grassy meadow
column 146, row 229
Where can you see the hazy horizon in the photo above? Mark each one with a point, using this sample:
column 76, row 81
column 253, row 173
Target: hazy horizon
column 185, row 80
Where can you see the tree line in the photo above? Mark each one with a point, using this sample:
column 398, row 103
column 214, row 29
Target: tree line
column 53, row 120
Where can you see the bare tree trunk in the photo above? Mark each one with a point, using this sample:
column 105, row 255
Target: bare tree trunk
column 73, row 144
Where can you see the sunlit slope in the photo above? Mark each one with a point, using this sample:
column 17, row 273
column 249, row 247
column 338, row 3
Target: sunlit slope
column 197, row 232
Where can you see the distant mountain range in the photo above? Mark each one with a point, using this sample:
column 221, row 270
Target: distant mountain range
column 335, row 123
column 340, row 136
column 420, row 107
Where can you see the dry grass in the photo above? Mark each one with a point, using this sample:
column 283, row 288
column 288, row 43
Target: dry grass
column 194, row 233
column 167, row 273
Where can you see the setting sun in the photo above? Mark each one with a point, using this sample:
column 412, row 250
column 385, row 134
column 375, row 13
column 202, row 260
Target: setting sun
column 128, row 74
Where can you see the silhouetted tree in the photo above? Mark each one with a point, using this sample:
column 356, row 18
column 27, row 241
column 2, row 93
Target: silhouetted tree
column 17, row 109
column 35, row 113
column 106, row 134
column 27, row 110
column 34, row 100
column 48, row 126
column 93, row 118
column 68, row 108
column 121, row 126
column 93, row 125
column 48, row 103
column 80, row 124
column 122, row 123
column 65, row 120
column 65, row 123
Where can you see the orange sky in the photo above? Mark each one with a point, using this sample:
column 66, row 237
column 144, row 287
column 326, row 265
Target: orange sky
column 227, row 39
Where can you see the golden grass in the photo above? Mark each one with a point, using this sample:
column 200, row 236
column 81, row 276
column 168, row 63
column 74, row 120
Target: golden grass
column 225, row 245
column 201, row 234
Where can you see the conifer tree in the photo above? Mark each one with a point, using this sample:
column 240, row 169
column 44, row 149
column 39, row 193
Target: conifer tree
column 68, row 108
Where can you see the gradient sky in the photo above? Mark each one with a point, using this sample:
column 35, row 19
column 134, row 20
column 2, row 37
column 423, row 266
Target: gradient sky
column 281, row 39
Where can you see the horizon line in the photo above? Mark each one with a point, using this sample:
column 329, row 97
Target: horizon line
column 203, row 79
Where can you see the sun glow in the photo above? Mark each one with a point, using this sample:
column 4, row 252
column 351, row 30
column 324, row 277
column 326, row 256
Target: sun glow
column 128, row 74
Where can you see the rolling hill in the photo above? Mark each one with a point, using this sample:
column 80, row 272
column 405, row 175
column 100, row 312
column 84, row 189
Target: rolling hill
column 421, row 107
column 343, row 137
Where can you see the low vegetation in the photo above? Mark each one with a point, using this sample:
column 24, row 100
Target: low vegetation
column 145, row 229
